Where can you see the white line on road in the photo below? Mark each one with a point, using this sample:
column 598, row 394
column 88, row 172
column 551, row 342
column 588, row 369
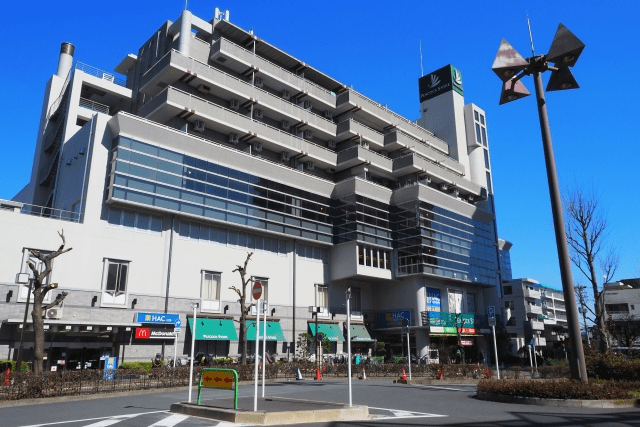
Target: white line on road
column 118, row 417
column 398, row 413
column 105, row 423
column 445, row 388
column 171, row 421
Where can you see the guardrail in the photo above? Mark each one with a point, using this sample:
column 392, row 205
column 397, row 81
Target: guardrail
column 51, row 213
column 96, row 72
column 95, row 106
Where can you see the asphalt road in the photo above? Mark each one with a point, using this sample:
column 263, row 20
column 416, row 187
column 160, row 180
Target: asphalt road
column 389, row 405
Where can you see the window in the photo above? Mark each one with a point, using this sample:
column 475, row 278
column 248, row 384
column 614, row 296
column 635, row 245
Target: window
column 508, row 290
column 478, row 134
column 475, row 114
column 115, row 282
column 24, row 287
column 617, row 308
column 374, row 257
column 486, row 159
column 210, row 291
column 489, row 189
column 481, row 118
column 355, row 303
column 322, row 298
column 139, row 221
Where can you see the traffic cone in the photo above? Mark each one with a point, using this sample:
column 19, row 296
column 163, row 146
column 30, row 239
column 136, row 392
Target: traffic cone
column 440, row 376
column 488, row 372
column 7, row 375
column 404, row 374
column 299, row 374
column 364, row 374
column 318, row 374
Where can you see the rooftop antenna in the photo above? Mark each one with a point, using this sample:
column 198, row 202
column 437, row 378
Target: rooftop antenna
column 530, row 36
column 186, row 4
column 421, row 68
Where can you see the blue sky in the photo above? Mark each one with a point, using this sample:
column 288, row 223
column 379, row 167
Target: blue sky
column 375, row 46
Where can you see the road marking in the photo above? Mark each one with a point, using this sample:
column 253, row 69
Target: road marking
column 170, row 421
column 105, row 423
column 398, row 413
column 118, row 417
column 445, row 388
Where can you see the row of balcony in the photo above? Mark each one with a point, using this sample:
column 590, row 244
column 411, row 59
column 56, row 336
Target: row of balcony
column 171, row 102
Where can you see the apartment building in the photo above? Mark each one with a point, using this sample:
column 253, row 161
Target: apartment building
column 534, row 312
column 622, row 308
column 210, row 143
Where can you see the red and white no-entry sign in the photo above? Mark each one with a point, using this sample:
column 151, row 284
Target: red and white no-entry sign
column 257, row 290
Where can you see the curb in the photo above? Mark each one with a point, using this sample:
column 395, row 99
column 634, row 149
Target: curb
column 421, row 381
column 564, row 403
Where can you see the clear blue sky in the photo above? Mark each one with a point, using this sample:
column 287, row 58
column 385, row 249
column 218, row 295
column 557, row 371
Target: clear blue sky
column 375, row 46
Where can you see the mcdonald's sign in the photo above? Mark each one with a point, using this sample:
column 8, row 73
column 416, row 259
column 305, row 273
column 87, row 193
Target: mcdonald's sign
column 143, row 333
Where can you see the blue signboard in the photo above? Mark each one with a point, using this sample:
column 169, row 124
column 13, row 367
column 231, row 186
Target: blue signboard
column 158, row 318
column 491, row 311
column 393, row 319
column 110, row 365
column 433, row 299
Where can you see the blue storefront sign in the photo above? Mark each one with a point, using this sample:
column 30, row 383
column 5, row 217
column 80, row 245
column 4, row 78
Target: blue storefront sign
column 159, row 318
column 110, row 365
column 393, row 319
column 433, row 299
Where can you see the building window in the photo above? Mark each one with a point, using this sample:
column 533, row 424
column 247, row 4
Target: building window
column 486, row 159
column 313, row 253
column 237, row 239
column 478, row 134
column 374, row 257
column 617, row 308
column 210, row 291
column 322, row 298
column 356, row 303
column 475, row 114
column 508, row 290
column 115, row 283
column 481, row 119
column 132, row 220
column 24, row 269
column 489, row 183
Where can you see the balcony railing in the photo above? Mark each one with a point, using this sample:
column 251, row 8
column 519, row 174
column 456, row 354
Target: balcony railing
column 42, row 211
column 93, row 105
column 96, row 72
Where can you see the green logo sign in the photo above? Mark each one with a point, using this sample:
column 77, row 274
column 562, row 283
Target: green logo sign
column 440, row 81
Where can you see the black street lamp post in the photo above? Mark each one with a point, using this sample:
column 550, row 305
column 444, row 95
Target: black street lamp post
column 510, row 67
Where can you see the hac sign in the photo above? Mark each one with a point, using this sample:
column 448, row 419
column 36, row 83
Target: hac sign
column 158, row 318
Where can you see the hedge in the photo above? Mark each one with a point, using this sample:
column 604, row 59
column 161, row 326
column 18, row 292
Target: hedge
column 563, row 389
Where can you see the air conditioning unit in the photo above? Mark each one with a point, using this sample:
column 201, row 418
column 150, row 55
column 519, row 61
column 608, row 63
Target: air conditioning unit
column 328, row 115
column 286, row 95
column 308, row 134
column 331, row 144
column 234, row 104
column 456, row 193
column 470, row 198
column 22, row 278
column 443, row 187
column 309, row 166
column 286, row 125
column 53, row 313
column 306, row 105
column 257, row 146
column 204, row 88
column 427, row 179
column 257, row 114
column 364, row 144
column 234, row 138
column 285, row 156
column 258, row 82
column 198, row 126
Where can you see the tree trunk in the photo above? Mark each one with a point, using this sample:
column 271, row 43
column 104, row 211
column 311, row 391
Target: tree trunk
column 38, row 330
column 243, row 331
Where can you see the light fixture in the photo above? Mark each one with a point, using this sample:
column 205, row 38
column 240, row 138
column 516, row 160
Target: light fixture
column 562, row 79
column 508, row 61
column 565, row 47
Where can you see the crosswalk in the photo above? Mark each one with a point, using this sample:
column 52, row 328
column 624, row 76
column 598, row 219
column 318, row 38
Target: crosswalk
column 143, row 419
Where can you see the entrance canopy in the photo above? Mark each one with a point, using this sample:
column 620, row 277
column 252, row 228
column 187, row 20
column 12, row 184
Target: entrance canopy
column 214, row 329
column 360, row 334
column 274, row 330
column 330, row 331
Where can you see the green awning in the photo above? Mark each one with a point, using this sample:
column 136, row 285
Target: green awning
column 274, row 330
column 214, row 329
column 360, row 334
column 331, row 332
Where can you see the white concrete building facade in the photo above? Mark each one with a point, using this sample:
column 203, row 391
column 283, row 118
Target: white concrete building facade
column 217, row 143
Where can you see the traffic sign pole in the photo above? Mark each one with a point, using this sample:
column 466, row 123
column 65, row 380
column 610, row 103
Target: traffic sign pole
column 264, row 342
column 348, row 344
column 255, row 370
column 495, row 349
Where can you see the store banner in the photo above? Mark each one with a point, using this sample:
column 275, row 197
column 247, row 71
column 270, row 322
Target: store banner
column 393, row 319
column 433, row 299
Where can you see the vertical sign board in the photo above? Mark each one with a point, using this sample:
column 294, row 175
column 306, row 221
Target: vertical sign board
column 110, row 365
column 440, row 81
column 433, row 299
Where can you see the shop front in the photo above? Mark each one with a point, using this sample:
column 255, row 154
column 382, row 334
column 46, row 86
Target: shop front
column 274, row 334
column 330, row 331
column 213, row 336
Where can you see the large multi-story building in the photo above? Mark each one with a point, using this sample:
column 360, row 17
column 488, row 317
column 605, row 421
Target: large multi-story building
column 622, row 312
column 216, row 143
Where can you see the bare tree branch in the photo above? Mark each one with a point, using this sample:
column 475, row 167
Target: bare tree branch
column 57, row 301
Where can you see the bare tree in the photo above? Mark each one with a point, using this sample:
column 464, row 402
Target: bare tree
column 40, row 290
column 244, row 307
column 587, row 230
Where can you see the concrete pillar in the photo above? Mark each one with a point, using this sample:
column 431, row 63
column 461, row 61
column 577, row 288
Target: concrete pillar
column 66, row 59
column 422, row 335
column 185, row 32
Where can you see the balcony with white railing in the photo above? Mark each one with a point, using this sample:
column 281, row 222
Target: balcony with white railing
column 93, row 105
column 357, row 155
column 240, row 60
column 536, row 325
column 40, row 211
column 351, row 129
column 171, row 102
column 397, row 140
column 101, row 74
column 531, row 293
column 533, row 309
column 175, row 65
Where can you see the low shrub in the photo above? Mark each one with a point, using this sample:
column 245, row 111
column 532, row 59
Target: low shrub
column 612, row 366
column 562, row 389
column 143, row 366
column 3, row 365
